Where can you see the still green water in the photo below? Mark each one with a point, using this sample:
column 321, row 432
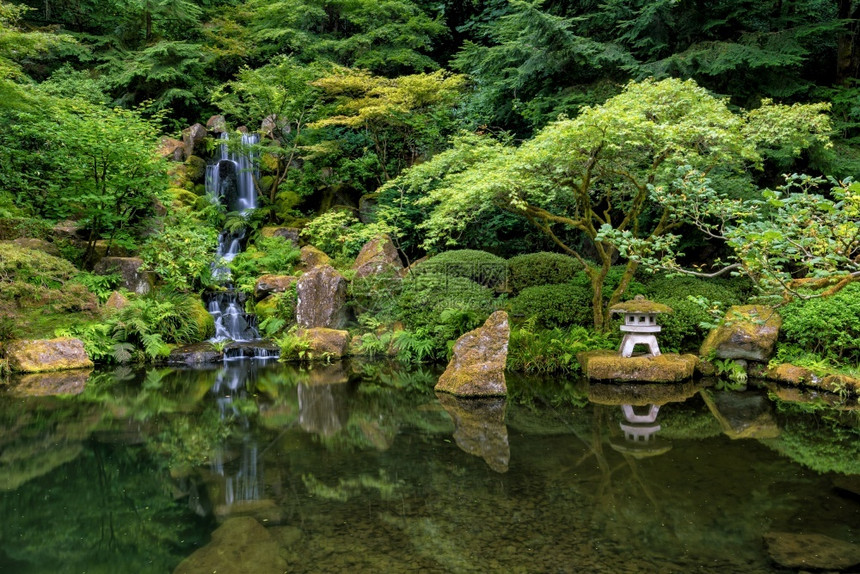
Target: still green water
column 363, row 469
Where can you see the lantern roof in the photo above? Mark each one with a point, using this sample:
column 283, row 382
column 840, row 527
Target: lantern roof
column 640, row 304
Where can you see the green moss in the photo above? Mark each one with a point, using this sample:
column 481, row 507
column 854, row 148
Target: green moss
column 205, row 323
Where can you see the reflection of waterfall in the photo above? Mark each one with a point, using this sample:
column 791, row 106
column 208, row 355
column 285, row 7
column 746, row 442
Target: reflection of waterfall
column 230, row 182
column 242, row 475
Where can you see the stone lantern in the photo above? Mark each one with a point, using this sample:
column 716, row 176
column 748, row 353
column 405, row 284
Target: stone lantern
column 640, row 324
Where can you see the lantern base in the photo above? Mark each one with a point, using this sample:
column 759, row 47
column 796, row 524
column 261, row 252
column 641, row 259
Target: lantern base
column 630, row 340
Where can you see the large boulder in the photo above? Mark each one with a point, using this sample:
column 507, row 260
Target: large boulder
column 240, row 546
column 268, row 284
column 41, row 355
column 192, row 140
column 170, row 148
column 128, row 268
column 216, row 124
column 195, row 169
column 326, row 343
column 321, row 298
column 610, row 366
column 746, row 332
column 806, row 551
column 377, row 256
column 477, row 368
column 196, row 354
column 311, row 257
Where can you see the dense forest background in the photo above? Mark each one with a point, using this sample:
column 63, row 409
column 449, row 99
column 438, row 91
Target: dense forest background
column 624, row 134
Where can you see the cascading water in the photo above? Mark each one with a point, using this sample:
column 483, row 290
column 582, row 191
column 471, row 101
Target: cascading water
column 230, row 182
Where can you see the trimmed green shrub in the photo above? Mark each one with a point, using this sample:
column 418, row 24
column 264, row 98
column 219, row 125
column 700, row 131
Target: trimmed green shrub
column 829, row 326
column 478, row 266
column 555, row 305
column 542, row 268
column 424, row 297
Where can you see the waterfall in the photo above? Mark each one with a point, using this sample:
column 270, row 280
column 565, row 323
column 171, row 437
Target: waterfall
column 230, row 182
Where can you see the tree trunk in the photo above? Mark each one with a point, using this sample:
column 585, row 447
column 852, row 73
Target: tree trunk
column 847, row 49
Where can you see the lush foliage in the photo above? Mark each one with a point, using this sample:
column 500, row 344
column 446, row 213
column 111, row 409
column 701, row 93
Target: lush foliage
column 554, row 350
column 828, row 326
column 479, row 266
column 542, row 268
column 180, row 252
column 267, row 255
column 340, row 234
column 558, row 305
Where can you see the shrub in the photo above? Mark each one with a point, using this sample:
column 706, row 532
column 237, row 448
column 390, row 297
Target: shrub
column 181, row 253
column 542, row 268
column 555, row 305
column 479, row 266
column 828, row 326
column 552, row 350
column 275, row 255
column 437, row 309
column 340, row 234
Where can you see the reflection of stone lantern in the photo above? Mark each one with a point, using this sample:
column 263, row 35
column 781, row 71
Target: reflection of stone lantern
column 640, row 432
column 640, row 324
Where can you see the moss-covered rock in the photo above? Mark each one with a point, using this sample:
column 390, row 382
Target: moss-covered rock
column 746, row 332
column 241, row 546
column 377, row 256
column 202, row 318
column 129, row 269
column 41, row 355
column 195, row 168
column 477, row 368
column 266, row 307
column 196, row 354
column 326, row 343
column 321, row 298
column 610, row 366
column 312, row 257
column 268, row 284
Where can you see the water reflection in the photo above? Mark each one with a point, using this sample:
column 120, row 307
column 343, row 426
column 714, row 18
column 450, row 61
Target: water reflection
column 363, row 469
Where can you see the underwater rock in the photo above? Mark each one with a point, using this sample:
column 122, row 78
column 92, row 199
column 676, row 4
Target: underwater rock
column 41, row 355
column 268, row 284
column 477, row 368
column 791, row 550
column 196, row 354
column 326, row 343
column 746, row 332
column 54, row 383
column 312, row 257
column 742, row 414
column 479, row 428
column 610, row 366
column 240, row 546
column 321, row 298
column 377, row 256
column 128, row 268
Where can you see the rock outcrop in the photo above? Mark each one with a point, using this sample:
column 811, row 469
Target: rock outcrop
column 477, row 368
column 192, row 140
column 41, row 355
column 196, row 354
column 610, row 366
column 321, row 298
column 326, row 343
column 291, row 234
column 216, row 124
column 377, row 256
column 311, row 257
column 240, row 546
column 268, row 284
column 116, row 301
column 129, row 271
column 746, row 332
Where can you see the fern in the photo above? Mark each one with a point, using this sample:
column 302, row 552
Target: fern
column 122, row 352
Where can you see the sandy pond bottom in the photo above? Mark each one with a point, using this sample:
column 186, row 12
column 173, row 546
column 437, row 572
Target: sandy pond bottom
column 363, row 470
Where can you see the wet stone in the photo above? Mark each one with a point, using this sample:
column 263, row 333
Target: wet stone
column 239, row 546
column 811, row 551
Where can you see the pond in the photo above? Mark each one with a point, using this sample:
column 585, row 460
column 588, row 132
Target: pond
column 360, row 467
